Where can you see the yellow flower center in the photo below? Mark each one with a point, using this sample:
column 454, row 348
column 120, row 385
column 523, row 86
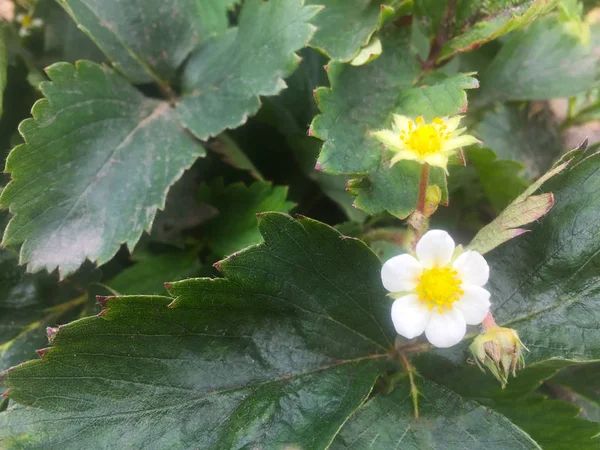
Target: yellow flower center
column 439, row 288
column 27, row 21
column 425, row 139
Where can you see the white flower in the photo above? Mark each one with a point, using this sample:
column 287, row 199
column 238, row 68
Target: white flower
column 436, row 294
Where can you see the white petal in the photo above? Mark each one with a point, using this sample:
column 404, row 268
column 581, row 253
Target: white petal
column 406, row 155
column 435, row 249
column 410, row 316
column 390, row 139
column 452, row 123
column 438, row 160
column 460, row 141
column 400, row 123
column 472, row 268
column 474, row 304
column 401, row 273
column 446, row 329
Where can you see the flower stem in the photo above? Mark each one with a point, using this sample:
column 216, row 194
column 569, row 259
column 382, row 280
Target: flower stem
column 414, row 391
column 423, row 184
column 488, row 322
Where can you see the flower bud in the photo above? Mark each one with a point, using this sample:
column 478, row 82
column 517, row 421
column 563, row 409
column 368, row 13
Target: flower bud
column 500, row 351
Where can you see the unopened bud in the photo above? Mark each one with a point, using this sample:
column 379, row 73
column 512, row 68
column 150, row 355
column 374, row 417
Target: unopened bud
column 500, row 351
column 433, row 197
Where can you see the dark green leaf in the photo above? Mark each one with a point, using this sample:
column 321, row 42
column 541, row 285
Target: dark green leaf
column 279, row 353
column 146, row 41
column 552, row 424
column 500, row 178
column 394, row 189
column 234, row 155
column 235, row 226
column 548, row 59
column 150, row 275
column 3, row 65
column 222, row 82
column 344, row 26
column 114, row 155
column 520, row 133
column 213, row 15
column 63, row 40
column 582, row 386
column 446, row 421
column 476, row 25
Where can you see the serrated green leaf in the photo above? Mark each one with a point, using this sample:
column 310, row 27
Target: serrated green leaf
column 150, row 275
column 146, row 41
column 476, row 27
column 29, row 303
column 544, row 283
column 363, row 99
column 344, row 26
column 223, row 80
column 63, row 40
column 114, row 155
column 548, row 59
column 520, row 133
column 279, row 353
column 446, row 421
column 235, row 226
column 213, row 15
column 552, row 424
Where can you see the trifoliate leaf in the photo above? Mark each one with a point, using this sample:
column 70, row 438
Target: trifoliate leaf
column 522, row 133
column 476, row 25
column 543, row 284
column 114, row 154
column 548, row 59
column 344, row 26
column 363, row 99
column 445, row 421
column 277, row 354
column 235, row 225
column 223, row 80
column 146, row 41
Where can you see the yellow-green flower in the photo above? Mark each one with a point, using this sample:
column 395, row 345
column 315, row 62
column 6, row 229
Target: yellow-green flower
column 430, row 143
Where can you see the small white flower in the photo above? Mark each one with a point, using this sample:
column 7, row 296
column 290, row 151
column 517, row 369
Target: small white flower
column 435, row 294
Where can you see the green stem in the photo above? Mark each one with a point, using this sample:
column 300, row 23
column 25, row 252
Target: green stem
column 414, row 391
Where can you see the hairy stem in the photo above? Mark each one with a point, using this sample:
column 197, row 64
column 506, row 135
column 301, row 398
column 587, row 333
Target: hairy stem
column 423, row 184
column 414, row 391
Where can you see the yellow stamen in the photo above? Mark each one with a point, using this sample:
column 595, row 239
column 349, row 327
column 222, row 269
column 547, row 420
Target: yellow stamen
column 439, row 288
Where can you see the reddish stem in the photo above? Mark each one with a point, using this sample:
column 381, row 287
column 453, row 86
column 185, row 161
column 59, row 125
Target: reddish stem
column 423, row 184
